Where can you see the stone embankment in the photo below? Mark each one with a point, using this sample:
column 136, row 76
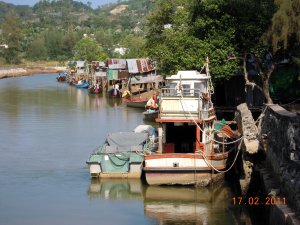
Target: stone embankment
column 16, row 72
column 275, row 158
column 280, row 140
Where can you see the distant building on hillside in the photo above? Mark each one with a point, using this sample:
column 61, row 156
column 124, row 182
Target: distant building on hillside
column 120, row 51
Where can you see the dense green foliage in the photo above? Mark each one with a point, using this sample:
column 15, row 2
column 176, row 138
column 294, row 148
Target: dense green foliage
column 178, row 34
column 219, row 29
column 12, row 36
column 87, row 49
column 51, row 28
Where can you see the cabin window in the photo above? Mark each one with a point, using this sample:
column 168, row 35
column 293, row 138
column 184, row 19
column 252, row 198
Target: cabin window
column 199, row 87
column 173, row 89
column 186, row 89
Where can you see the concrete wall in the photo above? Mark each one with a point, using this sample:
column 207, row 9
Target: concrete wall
column 280, row 132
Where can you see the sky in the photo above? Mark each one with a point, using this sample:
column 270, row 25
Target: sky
column 95, row 3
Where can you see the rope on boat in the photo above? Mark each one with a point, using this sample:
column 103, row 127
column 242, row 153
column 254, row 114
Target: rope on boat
column 219, row 171
column 209, row 137
column 203, row 154
column 114, row 163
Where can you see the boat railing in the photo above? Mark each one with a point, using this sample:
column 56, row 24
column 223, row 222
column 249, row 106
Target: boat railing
column 185, row 103
column 168, row 91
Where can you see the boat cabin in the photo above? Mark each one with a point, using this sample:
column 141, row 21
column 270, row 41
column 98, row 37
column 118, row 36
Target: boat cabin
column 186, row 96
column 185, row 107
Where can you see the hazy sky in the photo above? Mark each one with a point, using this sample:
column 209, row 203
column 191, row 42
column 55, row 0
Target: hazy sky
column 95, row 3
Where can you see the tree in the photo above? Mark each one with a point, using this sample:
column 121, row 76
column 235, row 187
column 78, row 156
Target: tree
column 89, row 50
column 282, row 34
column 134, row 46
column 285, row 25
column 12, row 37
column 106, row 39
column 54, row 43
column 69, row 42
column 182, row 33
column 37, row 49
column 250, row 27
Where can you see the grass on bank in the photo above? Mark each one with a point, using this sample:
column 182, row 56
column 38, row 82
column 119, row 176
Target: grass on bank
column 26, row 64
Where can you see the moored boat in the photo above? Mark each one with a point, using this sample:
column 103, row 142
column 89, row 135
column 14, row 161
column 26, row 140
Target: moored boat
column 83, row 84
column 191, row 151
column 136, row 102
column 114, row 93
column 62, row 77
column 95, row 89
column 151, row 114
column 122, row 154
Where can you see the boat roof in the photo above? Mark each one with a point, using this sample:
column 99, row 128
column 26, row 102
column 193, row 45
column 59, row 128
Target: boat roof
column 188, row 75
column 125, row 140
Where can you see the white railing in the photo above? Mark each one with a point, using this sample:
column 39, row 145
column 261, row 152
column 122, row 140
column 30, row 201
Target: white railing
column 185, row 103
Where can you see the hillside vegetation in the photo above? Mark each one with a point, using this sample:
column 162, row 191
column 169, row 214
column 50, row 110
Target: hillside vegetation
column 50, row 29
column 248, row 36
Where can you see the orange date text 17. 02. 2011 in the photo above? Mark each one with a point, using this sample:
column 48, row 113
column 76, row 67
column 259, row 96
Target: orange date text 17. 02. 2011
column 259, row 201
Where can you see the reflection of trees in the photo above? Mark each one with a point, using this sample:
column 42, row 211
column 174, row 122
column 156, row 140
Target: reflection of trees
column 55, row 99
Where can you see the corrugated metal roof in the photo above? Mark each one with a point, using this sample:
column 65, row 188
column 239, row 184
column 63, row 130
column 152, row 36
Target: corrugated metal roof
column 116, row 63
column 132, row 66
column 139, row 66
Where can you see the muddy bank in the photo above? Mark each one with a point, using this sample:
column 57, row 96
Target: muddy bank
column 17, row 72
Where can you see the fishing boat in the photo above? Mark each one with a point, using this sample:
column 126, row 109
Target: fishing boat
column 136, row 102
column 62, row 77
column 191, row 150
column 122, row 154
column 150, row 114
column 114, row 93
column 82, row 84
column 95, row 89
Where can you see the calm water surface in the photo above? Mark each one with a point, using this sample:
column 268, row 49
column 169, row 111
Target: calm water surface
column 48, row 129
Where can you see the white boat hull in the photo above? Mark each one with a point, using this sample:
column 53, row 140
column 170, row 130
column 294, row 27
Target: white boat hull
column 184, row 169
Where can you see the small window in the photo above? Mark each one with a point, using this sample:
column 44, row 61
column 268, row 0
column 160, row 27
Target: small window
column 186, row 89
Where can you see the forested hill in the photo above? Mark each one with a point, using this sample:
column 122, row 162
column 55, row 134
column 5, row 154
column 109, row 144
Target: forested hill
column 51, row 29
column 63, row 13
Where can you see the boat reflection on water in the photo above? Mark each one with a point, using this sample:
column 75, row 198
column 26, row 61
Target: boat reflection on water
column 114, row 102
column 184, row 205
column 172, row 205
column 116, row 189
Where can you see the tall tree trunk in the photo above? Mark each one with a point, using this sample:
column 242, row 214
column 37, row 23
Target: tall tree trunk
column 266, row 91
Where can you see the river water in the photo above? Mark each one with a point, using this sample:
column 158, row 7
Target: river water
column 48, row 130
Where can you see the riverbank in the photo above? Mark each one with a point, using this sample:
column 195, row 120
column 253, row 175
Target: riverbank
column 17, row 72
column 280, row 140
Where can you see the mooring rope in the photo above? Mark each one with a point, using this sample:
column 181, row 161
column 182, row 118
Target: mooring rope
column 201, row 153
column 209, row 137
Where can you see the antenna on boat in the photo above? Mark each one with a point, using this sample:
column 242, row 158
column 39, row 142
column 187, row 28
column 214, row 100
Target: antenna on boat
column 210, row 86
column 206, row 66
column 180, row 84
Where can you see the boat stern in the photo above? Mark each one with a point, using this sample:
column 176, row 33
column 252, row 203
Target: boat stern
column 95, row 169
column 94, row 165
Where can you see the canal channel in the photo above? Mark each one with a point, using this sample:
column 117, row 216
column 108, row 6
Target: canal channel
column 48, row 130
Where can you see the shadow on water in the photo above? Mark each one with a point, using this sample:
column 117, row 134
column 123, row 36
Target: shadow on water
column 251, row 206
